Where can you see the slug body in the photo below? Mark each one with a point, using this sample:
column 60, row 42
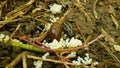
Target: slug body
column 55, row 31
column 56, row 28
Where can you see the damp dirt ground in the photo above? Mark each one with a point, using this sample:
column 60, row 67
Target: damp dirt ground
column 86, row 20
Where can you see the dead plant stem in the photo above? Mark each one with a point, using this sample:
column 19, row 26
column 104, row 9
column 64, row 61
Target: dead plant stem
column 17, row 28
column 94, row 9
column 110, row 52
column 24, row 60
column 15, row 61
column 50, row 60
column 82, row 9
column 2, row 23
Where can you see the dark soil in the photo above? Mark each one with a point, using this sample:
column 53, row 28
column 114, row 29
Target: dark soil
column 86, row 23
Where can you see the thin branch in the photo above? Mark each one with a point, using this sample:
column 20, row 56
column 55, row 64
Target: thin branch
column 50, row 60
column 94, row 9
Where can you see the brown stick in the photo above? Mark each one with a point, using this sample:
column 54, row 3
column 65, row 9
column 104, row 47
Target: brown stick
column 15, row 61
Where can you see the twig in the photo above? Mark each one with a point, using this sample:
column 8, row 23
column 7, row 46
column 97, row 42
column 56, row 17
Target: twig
column 2, row 4
column 62, row 19
column 19, row 11
column 15, row 61
column 2, row 23
column 62, row 60
column 40, row 20
column 81, row 33
column 94, row 7
column 15, row 31
column 38, row 44
column 24, row 60
column 115, row 21
column 50, row 60
column 110, row 52
column 43, row 35
column 97, row 38
column 82, row 9
column 82, row 46
column 108, row 38
column 111, row 10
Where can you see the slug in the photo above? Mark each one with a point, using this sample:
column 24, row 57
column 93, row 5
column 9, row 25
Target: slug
column 55, row 31
column 56, row 28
